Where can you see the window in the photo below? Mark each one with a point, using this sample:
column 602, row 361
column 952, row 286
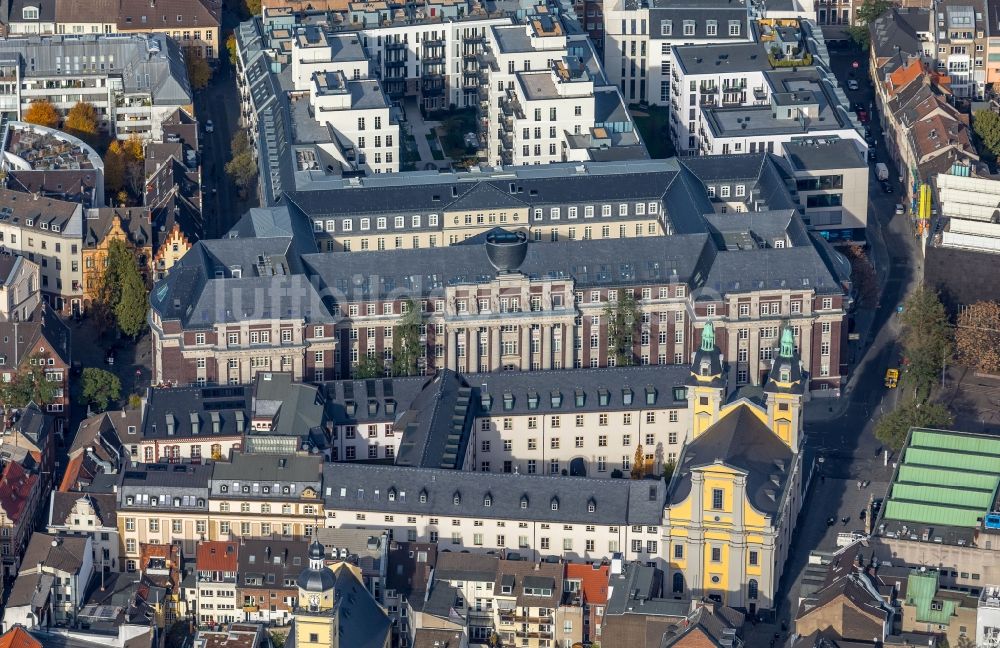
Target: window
column 716, row 554
column 734, row 28
column 666, row 28
column 754, row 558
column 717, row 499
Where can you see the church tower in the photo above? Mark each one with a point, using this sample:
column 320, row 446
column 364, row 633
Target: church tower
column 785, row 392
column 315, row 616
column 706, row 386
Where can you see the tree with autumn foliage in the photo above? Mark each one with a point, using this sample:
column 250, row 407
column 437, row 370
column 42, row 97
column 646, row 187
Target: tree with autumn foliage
column 198, row 69
column 82, row 121
column 42, row 112
column 639, row 463
column 114, row 167
column 977, row 337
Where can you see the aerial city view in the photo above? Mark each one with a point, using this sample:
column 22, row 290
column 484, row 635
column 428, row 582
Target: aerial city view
column 500, row 324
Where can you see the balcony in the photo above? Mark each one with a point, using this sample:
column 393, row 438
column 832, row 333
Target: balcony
column 533, row 619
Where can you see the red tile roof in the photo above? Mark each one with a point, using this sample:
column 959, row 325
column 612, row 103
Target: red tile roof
column 18, row 637
column 593, row 582
column 16, row 485
column 217, row 555
column 901, row 77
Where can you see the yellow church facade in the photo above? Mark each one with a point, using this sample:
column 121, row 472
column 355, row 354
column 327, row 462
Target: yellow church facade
column 737, row 488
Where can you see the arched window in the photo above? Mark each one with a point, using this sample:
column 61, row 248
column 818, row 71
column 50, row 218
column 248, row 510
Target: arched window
column 678, row 583
column 752, row 589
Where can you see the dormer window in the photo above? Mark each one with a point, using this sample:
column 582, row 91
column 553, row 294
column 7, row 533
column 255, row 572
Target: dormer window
column 626, row 396
column 524, row 501
column 29, row 13
column 423, row 497
column 785, row 377
column 488, row 500
column 591, row 506
column 705, row 369
column 457, row 499
column 555, row 504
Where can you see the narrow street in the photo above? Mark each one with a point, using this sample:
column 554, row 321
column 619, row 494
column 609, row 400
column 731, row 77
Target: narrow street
column 841, row 433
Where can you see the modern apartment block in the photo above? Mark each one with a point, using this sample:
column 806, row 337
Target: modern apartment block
column 331, row 106
column 639, row 37
column 483, row 302
column 742, row 98
column 133, row 81
column 44, row 159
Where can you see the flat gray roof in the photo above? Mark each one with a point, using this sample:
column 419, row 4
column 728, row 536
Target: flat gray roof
column 721, row 58
column 820, row 154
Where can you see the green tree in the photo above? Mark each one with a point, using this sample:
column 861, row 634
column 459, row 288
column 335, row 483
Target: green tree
column 892, row 428
column 986, row 125
column 277, row 639
column 121, row 295
column 669, row 468
column 100, row 387
column 133, row 304
column 29, row 385
column 927, row 340
column 251, row 7
column 198, row 69
column 868, row 13
column 43, row 113
column 623, row 317
column 369, row 367
column 134, row 401
column 406, row 348
column 82, row 121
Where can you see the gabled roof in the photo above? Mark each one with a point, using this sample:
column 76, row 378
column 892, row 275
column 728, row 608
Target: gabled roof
column 217, row 556
column 168, row 14
column 16, row 485
column 62, row 504
column 18, row 637
column 593, row 581
column 741, row 440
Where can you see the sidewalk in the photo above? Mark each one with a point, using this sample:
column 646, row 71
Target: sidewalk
column 828, row 409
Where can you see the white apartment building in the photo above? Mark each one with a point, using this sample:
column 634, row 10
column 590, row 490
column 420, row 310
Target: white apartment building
column 639, row 36
column 545, row 98
column 91, row 515
column 358, row 115
column 134, row 81
column 534, row 515
column 48, row 232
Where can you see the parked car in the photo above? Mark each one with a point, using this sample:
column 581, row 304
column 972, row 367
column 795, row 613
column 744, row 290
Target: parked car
column 209, row 126
column 886, row 187
column 899, row 209
column 872, row 155
column 110, row 359
column 852, row 84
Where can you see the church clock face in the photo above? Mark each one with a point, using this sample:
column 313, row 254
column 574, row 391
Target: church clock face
column 314, row 601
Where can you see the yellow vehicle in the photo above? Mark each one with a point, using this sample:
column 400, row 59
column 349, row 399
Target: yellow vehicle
column 891, row 378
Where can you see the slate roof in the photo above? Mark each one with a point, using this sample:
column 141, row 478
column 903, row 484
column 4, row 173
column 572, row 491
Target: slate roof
column 364, row 487
column 436, row 424
column 204, row 408
column 522, row 574
column 375, row 400
column 718, row 626
column 460, row 566
column 69, row 185
column 362, row 623
column 894, row 36
column 961, row 277
column 134, row 221
column 740, row 440
column 552, row 184
column 578, row 390
column 300, row 407
column 165, row 482
column 608, row 262
column 269, row 558
column 66, row 555
column 409, row 570
column 62, row 504
column 268, row 469
column 46, row 11
column 163, row 73
column 43, row 327
column 222, row 280
column 175, row 14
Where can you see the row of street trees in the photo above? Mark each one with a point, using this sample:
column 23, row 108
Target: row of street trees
column 927, row 345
